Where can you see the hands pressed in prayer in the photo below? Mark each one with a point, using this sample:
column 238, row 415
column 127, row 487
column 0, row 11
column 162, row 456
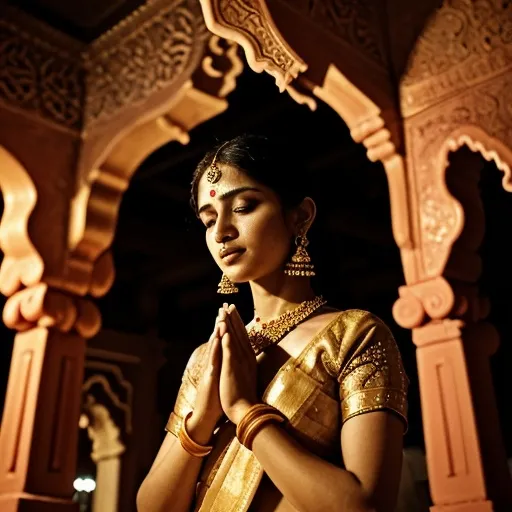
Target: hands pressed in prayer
column 238, row 374
column 208, row 407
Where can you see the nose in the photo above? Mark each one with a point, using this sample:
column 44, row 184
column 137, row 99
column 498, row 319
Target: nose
column 224, row 230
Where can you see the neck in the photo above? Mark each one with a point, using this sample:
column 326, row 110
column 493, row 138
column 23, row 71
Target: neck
column 277, row 293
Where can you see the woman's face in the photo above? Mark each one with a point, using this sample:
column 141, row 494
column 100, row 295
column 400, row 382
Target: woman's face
column 246, row 231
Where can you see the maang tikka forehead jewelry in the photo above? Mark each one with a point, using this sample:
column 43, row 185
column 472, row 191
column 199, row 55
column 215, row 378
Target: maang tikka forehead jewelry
column 214, row 174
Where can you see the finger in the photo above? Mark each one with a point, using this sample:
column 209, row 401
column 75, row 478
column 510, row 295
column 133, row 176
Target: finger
column 239, row 326
column 223, row 328
column 234, row 336
column 214, row 334
column 215, row 357
column 234, row 326
column 226, row 348
column 231, row 354
column 216, row 326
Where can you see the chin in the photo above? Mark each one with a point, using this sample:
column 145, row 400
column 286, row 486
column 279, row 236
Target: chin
column 240, row 274
column 245, row 275
column 237, row 277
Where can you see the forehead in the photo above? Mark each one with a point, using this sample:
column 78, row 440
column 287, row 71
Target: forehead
column 232, row 178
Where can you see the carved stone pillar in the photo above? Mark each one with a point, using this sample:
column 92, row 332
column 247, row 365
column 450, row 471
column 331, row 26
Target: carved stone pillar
column 76, row 121
column 39, row 434
column 460, row 100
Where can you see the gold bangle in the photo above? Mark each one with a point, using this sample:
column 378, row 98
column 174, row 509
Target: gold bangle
column 255, row 427
column 254, row 420
column 253, row 412
column 188, row 444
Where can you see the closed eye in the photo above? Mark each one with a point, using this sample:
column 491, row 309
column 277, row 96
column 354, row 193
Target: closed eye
column 209, row 223
column 246, row 208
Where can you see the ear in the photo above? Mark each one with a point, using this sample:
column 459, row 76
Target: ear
column 303, row 216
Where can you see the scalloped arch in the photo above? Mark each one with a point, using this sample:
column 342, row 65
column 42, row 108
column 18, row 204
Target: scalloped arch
column 491, row 149
column 22, row 264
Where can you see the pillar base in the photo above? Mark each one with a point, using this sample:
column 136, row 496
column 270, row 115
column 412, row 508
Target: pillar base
column 468, row 506
column 23, row 502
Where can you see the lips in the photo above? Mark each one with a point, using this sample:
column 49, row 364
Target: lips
column 230, row 251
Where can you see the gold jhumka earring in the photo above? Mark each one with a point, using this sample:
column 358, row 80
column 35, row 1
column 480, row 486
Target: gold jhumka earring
column 226, row 286
column 300, row 265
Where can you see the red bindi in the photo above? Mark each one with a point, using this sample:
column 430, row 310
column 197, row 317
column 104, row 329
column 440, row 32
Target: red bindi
column 212, row 193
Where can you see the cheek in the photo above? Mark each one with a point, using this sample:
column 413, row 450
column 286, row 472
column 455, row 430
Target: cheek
column 271, row 237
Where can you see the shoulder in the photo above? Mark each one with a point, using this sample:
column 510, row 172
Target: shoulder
column 354, row 323
column 351, row 333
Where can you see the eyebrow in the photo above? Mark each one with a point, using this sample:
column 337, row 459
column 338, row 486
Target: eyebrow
column 227, row 195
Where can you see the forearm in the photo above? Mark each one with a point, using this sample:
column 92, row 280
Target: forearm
column 171, row 482
column 309, row 483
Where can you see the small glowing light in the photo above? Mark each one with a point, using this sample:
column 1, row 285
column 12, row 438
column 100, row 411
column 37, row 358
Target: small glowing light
column 84, row 484
column 83, row 422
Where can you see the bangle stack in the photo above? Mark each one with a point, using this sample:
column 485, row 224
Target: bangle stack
column 189, row 445
column 254, row 420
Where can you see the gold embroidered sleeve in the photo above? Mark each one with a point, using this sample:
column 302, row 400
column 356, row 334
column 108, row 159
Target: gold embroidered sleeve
column 372, row 376
column 187, row 393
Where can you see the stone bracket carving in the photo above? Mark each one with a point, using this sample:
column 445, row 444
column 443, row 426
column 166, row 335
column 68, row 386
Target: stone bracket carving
column 367, row 126
column 222, row 65
column 433, row 298
column 22, row 264
column 248, row 22
column 437, row 299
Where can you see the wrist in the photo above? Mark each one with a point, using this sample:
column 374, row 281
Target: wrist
column 200, row 429
column 256, row 419
column 241, row 411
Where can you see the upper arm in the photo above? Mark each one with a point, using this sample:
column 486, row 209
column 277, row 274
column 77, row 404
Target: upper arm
column 371, row 447
column 373, row 396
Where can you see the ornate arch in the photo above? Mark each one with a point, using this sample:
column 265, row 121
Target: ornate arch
column 251, row 24
column 442, row 102
column 146, row 82
column 96, row 203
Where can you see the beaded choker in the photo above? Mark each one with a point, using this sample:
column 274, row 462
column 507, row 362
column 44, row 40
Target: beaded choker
column 272, row 332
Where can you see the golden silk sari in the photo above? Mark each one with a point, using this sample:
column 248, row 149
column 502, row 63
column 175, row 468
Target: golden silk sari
column 350, row 367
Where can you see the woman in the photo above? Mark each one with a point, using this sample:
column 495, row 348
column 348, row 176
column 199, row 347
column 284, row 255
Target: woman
column 304, row 408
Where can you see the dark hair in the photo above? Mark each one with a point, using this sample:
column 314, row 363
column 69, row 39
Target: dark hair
column 264, row 160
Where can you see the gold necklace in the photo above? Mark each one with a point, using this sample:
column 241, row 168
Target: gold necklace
column 273, row 331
